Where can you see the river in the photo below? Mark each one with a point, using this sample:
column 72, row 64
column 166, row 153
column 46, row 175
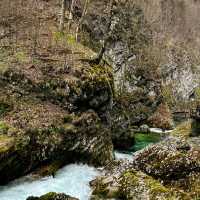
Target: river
column 72, row 179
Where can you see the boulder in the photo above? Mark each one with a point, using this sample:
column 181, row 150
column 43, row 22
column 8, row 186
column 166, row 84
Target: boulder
column 133, row 184
column 54, row 114
column 173, row 158
column 52, row 196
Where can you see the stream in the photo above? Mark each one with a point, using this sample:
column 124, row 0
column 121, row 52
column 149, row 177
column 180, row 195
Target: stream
column 72, row 179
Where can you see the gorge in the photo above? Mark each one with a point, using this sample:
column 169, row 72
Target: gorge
column 99, row 99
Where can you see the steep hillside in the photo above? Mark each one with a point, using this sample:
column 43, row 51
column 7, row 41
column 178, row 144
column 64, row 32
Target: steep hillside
column 54, row 104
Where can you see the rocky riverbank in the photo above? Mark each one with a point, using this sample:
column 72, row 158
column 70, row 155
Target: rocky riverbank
column 167, row 170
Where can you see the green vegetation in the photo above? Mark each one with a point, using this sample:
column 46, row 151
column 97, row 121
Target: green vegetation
column 135, row 183
column 22, row 57
column 167, row 94
column 3, row 127
column 64, row 38
column 5, row 143
column 197, row 93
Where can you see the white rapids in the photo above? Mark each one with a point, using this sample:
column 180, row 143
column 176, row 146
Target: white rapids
column 72, row 180
column 123, row 156
column 158, row 130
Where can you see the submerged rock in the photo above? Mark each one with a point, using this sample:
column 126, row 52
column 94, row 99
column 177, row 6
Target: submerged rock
column 53, row 196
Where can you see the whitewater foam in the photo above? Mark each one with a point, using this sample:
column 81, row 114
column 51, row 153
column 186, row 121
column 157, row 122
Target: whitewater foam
column 73, row 180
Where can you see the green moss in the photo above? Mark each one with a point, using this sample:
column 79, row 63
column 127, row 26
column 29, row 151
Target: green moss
column 49, row 196
column 22, row 57
column 197, row 93
column 168, row 96
column 136, row 182
column 65, row 38
column 100, row 189
column 5, row 143
column 3, row 67
column 100, row 73
column 155, row 186
column 69, row 127
column 3, row 127
column 98, row 76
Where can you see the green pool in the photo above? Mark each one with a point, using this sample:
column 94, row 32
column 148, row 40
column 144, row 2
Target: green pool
column 142, row 140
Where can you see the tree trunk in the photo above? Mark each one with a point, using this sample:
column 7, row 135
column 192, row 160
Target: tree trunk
column 62, row 15
column 109, row 32
column 82, row 17
column 70, row 18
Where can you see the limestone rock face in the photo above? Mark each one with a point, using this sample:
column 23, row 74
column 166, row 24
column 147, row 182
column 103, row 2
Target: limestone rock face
column 161, row 28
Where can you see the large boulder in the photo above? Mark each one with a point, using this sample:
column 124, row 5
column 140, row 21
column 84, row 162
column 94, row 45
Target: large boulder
column 51, row 114
column 133, row 184
column 174, row 158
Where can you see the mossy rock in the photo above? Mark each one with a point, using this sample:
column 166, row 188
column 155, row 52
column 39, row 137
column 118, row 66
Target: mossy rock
column 136, row 185
column 6, row 144
column 173, row 158
column 34, row 132
column 53, row 196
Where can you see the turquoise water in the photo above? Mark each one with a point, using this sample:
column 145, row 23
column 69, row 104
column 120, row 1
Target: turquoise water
column 142, row 140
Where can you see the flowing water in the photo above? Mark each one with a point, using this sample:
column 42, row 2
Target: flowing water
column 122, row 156
column 142, row 140
column 73, row 179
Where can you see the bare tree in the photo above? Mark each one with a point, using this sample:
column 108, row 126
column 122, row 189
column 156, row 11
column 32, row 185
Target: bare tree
column 62, row 15
column 99, row 57
column 70, row 18
column 82, row 17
